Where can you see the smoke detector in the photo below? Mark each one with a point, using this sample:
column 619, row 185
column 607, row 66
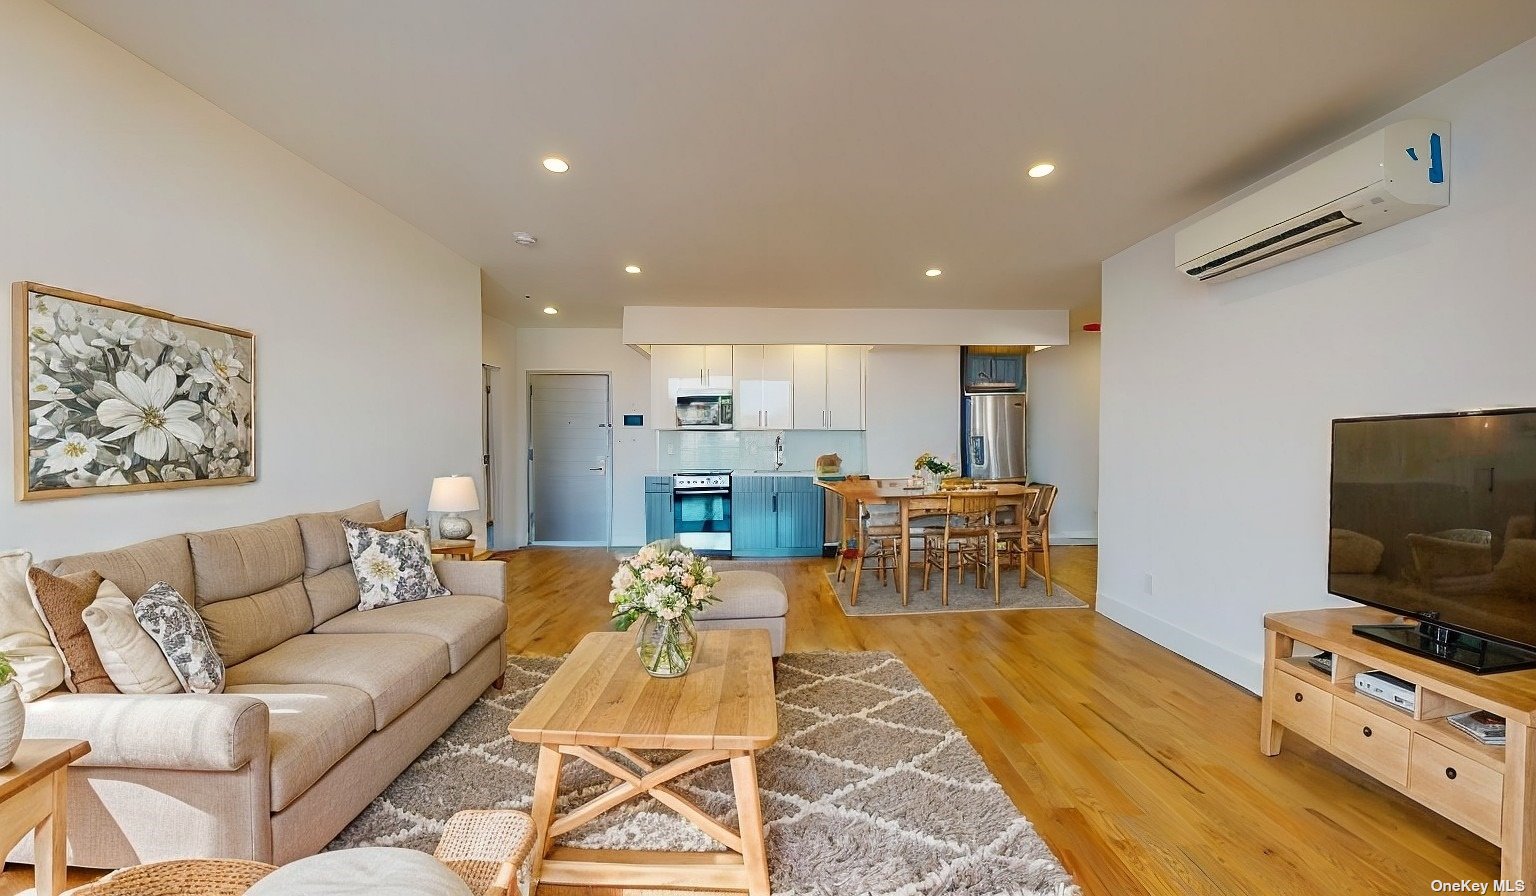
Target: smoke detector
column 524, row 238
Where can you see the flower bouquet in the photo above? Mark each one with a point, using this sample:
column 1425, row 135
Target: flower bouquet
column 662, row 585
column 932, row 469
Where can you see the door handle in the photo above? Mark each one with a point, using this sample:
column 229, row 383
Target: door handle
column 595, row 469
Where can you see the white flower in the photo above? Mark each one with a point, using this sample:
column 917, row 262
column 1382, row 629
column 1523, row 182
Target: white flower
column 175, row 473
column 75, row 346
column 43, row 387
column 217, row 366
column 73, row 453
column 376, row 565
column 165, row 334
column 122, row 331
column 83, row 479
column 146, row 412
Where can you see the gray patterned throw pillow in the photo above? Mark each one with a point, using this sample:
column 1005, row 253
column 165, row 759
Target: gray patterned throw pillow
column 182, row 637
column 391, row 567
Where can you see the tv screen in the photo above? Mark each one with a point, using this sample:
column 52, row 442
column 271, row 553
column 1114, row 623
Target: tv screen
column 1436, row 514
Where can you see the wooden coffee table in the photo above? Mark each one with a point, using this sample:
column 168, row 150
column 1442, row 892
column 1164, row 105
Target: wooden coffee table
column 33, row 795
column 601, row 700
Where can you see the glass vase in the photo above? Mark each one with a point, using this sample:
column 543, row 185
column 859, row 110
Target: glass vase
column 666, row 646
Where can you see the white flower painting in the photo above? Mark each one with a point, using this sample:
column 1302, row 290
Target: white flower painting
column 121, row 397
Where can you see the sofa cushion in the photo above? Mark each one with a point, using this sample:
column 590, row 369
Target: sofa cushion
column 313, row 726
column 747, row 594
column 23, row 636
column 332, row 593
column 394, row 671
column 132, row 658
column 249, row 588
column 325, row 543
column 391, row 567
column 466, row 623
column 61, row 601
column 183, row 638
column 137, row 567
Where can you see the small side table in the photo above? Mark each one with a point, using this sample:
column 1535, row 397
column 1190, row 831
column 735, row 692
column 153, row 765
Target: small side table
column 463, row 548
column 33, row 796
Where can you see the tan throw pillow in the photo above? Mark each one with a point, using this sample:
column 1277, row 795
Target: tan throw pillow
column 131, row 657
column 395, row 523
column 23, row 636
column 61, row 600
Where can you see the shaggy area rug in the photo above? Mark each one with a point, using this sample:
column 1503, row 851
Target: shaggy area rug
column 876, row 599
column 870, row 789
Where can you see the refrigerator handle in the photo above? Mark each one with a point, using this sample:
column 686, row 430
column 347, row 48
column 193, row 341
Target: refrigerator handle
column 978, row 451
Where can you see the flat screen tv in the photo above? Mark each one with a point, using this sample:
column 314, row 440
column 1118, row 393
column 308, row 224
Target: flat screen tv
column 1433, row 517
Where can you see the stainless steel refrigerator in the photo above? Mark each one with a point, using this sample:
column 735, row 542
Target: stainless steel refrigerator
column 994, row 436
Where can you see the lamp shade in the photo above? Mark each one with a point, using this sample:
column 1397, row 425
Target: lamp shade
column 453, row 494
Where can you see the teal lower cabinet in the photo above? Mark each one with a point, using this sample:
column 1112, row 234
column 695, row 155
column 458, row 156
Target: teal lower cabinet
column 776, row 516
column 658, row 508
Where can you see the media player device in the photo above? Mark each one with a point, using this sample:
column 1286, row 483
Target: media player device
column 1387, row 689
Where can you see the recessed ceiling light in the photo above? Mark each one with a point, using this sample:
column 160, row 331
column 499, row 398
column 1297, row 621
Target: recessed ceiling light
column 632, row 269
column 551, row 309
column 933, row 272
column 1042, row 169
column 557, row 164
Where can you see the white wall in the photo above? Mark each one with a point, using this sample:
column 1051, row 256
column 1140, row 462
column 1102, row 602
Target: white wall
column 1217, row 399
column 498, row 349
column 634, row 449
column 120, row 182
column 1063, row 443
column 912, row 405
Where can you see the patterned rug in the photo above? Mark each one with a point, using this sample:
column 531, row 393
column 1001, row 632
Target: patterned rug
column 876, row 599
column 870, row 789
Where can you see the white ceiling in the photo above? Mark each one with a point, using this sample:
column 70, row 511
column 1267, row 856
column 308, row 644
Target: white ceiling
column 802, row 152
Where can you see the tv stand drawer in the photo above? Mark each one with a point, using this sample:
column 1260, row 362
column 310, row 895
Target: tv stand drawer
column 1303, row 707
column 1466, row 792
column 1371, row 741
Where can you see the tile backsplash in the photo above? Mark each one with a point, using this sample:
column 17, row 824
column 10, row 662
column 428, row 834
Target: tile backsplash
column 753, row 449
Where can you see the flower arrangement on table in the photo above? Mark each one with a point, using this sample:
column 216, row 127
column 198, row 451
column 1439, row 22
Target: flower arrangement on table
column 664, row 585
column 931, row 462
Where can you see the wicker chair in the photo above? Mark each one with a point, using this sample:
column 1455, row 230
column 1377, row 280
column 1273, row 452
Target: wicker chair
column 484, row 847
column 1032, row 536
column 970, row 533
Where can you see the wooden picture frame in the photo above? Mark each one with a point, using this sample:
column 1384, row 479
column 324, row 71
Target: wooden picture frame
column 115, row 397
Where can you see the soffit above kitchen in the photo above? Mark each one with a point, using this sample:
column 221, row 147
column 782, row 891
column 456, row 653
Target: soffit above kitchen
column 801, row 153
column 682, row 325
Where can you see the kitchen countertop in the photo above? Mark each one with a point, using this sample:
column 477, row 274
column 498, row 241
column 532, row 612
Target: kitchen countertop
column 802, row 473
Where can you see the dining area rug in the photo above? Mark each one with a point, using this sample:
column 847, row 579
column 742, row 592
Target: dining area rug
column 870, row 789
column 876, row 599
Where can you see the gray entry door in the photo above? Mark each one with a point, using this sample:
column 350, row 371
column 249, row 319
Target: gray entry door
column 569, row 494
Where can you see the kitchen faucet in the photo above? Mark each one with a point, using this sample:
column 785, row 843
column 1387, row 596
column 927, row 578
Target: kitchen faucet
column 778, row 452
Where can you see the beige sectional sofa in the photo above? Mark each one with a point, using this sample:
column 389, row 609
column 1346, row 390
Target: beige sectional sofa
column 324, row 704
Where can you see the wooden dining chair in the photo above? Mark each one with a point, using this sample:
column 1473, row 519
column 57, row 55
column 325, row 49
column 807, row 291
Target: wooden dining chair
column 969, row 533
column 848, row 546
column 1035, row 538
column 880, row 544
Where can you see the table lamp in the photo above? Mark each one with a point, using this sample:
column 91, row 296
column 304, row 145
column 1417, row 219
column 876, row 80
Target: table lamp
column 452, row 495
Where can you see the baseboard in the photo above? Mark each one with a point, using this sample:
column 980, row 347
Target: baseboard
column 1074, row 538
column 1244, row 671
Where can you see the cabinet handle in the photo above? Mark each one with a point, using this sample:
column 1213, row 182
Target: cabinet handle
column 1298, row 696
column 1450, row 773
column 776, row 510
column 1366, row 731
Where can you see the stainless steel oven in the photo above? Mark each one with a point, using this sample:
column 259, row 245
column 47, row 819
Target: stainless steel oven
column 701, row 510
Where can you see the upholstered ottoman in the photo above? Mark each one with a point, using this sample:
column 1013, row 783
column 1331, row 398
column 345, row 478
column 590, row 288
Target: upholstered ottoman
column 748, row 599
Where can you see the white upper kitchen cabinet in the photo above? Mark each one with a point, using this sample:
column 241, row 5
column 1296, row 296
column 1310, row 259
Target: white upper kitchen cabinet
column 845, row 386
column 829, row 386
column 676, row 368
column 764, row 376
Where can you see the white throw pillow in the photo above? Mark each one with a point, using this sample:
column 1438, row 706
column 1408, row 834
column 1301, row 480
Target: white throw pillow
column 23, row 637
column 369, row 871
column 132, row 658
column 182, row 637
column 391, row 567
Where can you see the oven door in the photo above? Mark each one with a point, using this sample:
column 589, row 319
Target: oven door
column 701, row 520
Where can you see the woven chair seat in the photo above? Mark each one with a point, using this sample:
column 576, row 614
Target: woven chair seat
column 181, row 877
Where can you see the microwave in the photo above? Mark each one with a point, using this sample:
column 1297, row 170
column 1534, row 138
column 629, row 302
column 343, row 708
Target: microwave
column 706, row 408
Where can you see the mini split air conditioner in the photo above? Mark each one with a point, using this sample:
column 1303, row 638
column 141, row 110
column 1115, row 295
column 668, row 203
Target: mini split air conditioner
column 1397, row 173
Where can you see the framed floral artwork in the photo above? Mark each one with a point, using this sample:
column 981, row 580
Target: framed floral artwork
column 113, row 397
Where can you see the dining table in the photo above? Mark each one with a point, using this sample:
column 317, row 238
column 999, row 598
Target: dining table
column 915, row 501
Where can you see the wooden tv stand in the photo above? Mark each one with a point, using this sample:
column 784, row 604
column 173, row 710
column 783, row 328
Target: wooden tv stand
column 1490, row 791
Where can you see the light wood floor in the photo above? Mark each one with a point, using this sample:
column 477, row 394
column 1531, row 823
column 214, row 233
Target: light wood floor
column 1140, row 769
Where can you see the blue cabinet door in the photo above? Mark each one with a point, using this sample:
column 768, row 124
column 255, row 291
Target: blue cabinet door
column 799, row 522
column 658, row 515
column 752, row 524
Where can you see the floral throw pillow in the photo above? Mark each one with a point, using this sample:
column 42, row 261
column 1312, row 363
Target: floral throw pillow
column 391, row 567
column 182, row 637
